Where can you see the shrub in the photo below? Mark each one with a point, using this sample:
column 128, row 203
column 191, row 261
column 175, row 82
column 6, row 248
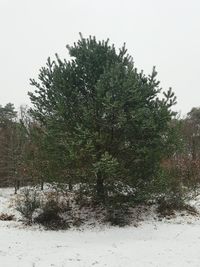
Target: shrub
column 27, row 203
column 170, row 193
column 117, row 214
column 167, row 207
column 6, row 217
column 50, row 215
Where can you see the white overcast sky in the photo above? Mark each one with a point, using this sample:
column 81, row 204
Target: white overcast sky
column 157, row 32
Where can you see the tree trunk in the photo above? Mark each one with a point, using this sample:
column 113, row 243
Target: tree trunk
column 42, row 185
column 100, row 188
column 17, row 186
column 70, row 185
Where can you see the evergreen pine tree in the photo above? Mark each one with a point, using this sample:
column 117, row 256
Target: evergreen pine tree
column 105, row 124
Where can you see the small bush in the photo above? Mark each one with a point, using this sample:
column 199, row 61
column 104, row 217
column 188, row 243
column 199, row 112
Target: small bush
column 118, row 214
column 6, row 217
column 168, row 206
column 50, row 215
column 168, row 187
column 27, row 203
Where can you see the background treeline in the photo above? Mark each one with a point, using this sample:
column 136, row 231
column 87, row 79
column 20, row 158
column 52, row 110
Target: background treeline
column 28, row 158
column 101, row 127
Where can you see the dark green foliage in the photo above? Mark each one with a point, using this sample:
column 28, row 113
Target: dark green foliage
column 27, row 203
column 191, row 133
column 117, row 213
column 7, row 114
column 11, row 139
column 168, row 185
column 104, row 123
column 50, row 216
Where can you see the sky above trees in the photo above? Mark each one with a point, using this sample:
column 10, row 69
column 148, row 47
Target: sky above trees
column 160, row 33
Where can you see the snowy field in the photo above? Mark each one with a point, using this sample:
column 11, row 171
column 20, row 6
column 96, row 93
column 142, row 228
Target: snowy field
column 148, row 245
column 153, row 243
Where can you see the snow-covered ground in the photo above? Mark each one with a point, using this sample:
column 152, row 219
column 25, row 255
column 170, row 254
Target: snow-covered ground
column 153, row 243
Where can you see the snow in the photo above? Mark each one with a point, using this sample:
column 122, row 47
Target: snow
column 153, row 243
column 147, row 245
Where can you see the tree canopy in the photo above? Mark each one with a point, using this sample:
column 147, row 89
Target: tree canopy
column 104, row 122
